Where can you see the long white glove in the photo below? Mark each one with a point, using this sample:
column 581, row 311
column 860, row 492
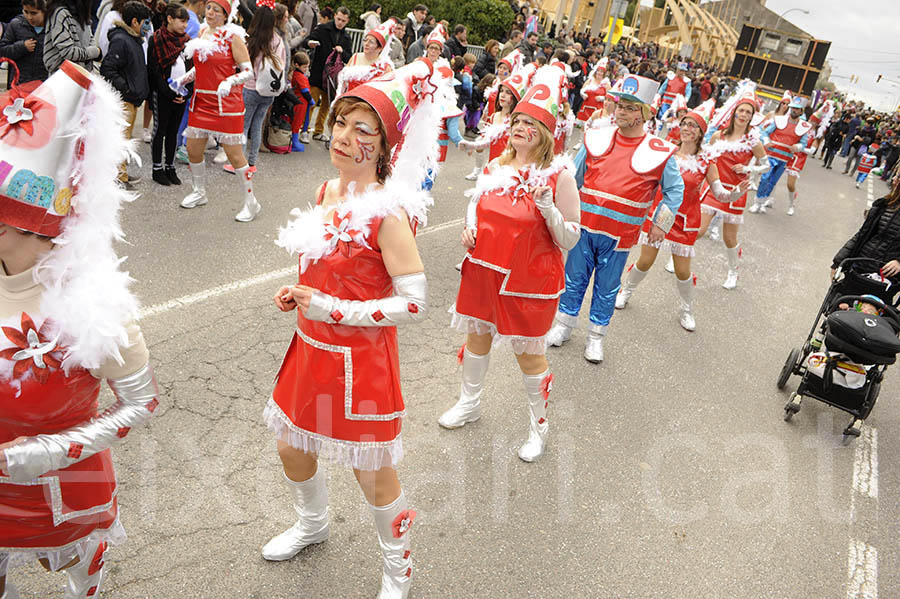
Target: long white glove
column 472, row 213
column 239, row 78
column 723, row 195
column 407, row 305
column 762, row 166
column 135, row 402
column 179, row 84
column 479, row 143
column 565, row 233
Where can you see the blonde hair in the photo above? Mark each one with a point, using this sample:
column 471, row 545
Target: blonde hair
column 469, row 58
column 542, row 154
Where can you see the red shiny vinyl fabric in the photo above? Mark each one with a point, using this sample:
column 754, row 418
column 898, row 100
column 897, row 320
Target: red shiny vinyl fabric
column 593, row 102
column 338, row 381
column 514, row 275
column 82, row 495
column 687, row 219
column 498, row 146
column 726, row 163
column 209, row 111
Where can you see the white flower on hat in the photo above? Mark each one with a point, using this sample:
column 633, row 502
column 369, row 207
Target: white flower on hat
column 16, row 112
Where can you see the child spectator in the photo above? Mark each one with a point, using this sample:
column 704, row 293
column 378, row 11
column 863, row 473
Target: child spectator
column 464, row 89
column 475, row 107
column 126, row 69
column 164, row 63
column 866, row 164
column 300, row 87
column 23, row 42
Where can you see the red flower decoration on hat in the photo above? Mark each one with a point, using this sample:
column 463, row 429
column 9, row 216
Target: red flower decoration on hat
column 25, row 119
column 31, row 350
column 341, row 236
column 403, row 522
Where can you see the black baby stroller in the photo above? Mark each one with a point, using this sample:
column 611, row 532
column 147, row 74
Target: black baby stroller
column 846, row 352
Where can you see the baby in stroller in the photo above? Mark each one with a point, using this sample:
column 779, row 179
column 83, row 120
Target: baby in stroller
column 853, row 340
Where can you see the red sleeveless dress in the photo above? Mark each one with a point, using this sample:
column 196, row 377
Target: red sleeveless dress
column 60, row 507
column 513, row 277
column 735, row 153
column 207, row 110
column 337, row 393
column 683, row 234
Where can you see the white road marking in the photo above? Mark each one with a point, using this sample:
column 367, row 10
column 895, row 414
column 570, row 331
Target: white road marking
column 870, row 192
column 865, row 464
column 862, row 571
column 202, row 296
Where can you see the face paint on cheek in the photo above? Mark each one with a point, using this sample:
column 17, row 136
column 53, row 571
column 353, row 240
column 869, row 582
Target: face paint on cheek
column 366, row 149
column 530, row 133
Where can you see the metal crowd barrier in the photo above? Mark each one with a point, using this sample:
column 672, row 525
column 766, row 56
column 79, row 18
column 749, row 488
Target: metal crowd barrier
column 356, row 36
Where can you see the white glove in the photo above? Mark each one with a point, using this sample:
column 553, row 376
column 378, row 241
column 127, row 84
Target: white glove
column 564, row 233
column 224, row 88
column 723, row 195
column 179, row 84
column 466, row 146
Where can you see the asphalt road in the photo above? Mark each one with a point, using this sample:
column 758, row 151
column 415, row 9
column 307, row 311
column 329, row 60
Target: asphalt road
column 670, row 473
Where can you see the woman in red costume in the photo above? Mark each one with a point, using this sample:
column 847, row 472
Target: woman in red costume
column 337, row 394
column 523, row 212
column 734, row 149
column 495, row 136
column 594, row 91
column 697, row 171
column 372, row 62
column 67, row 322
column 217, row 106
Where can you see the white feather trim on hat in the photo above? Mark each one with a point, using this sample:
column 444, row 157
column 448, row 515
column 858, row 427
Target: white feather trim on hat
column 359, row 74
column 723, row 114
column 86, row 293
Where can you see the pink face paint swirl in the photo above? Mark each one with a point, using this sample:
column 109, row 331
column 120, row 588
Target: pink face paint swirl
column 366, row 148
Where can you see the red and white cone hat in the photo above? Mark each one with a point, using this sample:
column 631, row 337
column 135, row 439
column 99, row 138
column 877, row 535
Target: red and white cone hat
column 37, row 147
column 513, row 60
column 543, row 100
column 383, row 32
column 437, row 36
column 519, row 82
column 702, row 114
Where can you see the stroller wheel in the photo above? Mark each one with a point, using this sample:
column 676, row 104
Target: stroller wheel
column 788, row 369
column 851, row 432
column 792, row 407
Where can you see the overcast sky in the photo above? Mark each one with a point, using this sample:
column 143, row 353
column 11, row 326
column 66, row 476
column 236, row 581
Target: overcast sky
column 865, row 37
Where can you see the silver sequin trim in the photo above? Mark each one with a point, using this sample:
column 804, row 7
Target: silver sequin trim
column 506, row 272
column 56, row 501
column 349, row 414
column 615, row 198
column 325, row 439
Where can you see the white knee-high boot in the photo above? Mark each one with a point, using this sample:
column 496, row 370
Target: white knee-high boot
column 734, row 256
column 197, row 197
column 537, row 391
column 84, row 578
column 792, row 200
column 393, row 522
column 480, row 160
column 311, row 504
column 686, row 291
column 632, row 279
column 468, row 408
column 251, row 206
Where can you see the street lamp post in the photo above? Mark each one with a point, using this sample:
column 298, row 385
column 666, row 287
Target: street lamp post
column 781, row 16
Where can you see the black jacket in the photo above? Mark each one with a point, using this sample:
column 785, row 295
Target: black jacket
column 455, row 47
column 527, row 51
column 159, row 76
column 889, row 240
column 834, row 137
column 486, row 64
column 124, row 65
column 328, row 37
column 12, row 46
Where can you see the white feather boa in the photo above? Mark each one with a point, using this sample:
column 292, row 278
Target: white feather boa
column 501, row 179
column 693, row 164
column 201, row 48
column 87, row 295
column 744, row 144
column 305, row 235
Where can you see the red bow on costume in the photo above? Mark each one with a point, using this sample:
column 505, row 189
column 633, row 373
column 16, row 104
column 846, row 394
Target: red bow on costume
column 340, row 235
column 521, row 190
column 546, row 386
column 19, row 110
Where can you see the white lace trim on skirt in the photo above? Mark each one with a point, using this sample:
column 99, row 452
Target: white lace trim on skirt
column 360, row 455
column 728, row 217
column 228, row 139
column 678, row 249
column 519, row 344
column 60, row 556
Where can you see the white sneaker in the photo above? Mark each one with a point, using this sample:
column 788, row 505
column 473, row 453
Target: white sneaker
column 768, row 203
column 304, row 137
column 731, row 280
column 714, row 234
column 221, row 157
column 194, row 199
column 857, row 186
column 670, row 265
column 593, row 350
column 475, row 172
column 755, row 208
column 790, row 210
column 146, row 136
column 249, row 211
column 558, row 334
